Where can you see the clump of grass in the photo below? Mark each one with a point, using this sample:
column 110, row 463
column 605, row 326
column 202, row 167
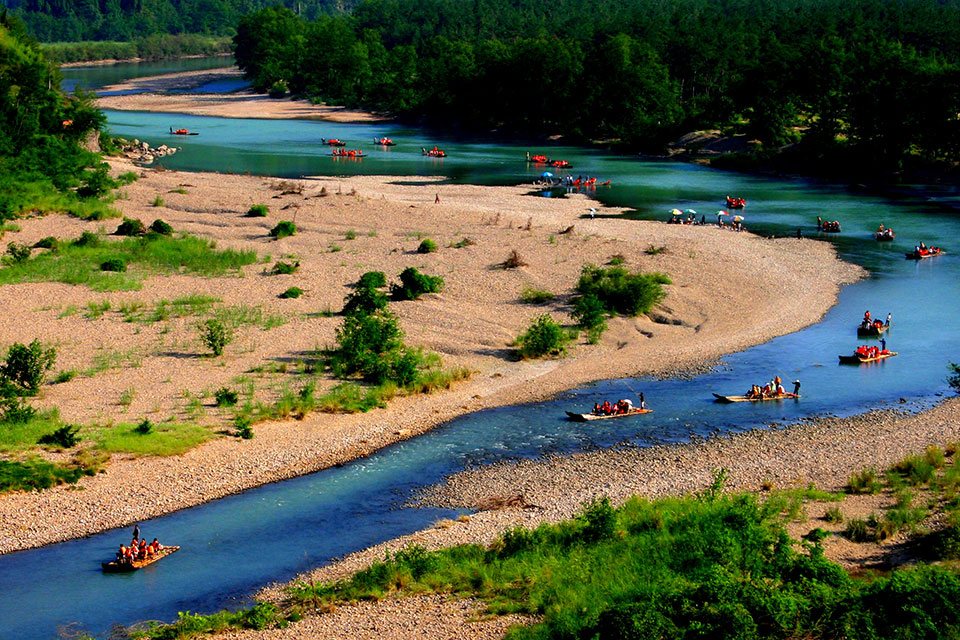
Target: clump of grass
column 239, row 315
column 427, row 246
column 864, row 481
column 257, row 211
column 350, row 234
column 292, row 292
column 118, row 265
column 157, row 202
column 130, row 227
column 414, row 284
column 95, row 310
column 617, row 260
column 834, row 515
column 226, row 397
column 164, row 439
column 916, row 470
column 285, row 268
column 35, row 474
column 127, row 397
column 464, row 242
column 283, row 229
column 65, row 376
column 652, row 250
column 160, row 227
column 629, row 294
column 531, row 295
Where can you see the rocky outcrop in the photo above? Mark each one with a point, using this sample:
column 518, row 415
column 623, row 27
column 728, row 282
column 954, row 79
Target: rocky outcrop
column 143, row 153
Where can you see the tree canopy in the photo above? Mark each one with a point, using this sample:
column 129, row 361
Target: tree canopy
column 873, row 77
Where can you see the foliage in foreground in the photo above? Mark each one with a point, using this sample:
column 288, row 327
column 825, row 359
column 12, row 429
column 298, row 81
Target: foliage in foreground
column 620, row 291
column 708, row 566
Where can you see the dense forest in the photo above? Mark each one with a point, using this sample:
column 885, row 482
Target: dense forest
column 123, row 20
column 43, row 162
column 877, row 79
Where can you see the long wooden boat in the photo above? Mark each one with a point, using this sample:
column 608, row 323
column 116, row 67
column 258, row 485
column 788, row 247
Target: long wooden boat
column 586, row 417
column 127, row 567
column 859, row 359
column 729, row 399
column 913, row 255
column 872, row 330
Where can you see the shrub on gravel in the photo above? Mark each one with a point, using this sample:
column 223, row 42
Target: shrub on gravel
column 623, row 292
column 414, row 284
column 544, row 337
column 130, row 227
column 283, row 229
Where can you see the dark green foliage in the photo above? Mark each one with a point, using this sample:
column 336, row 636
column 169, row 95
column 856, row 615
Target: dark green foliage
column 292, row 292
column 17, row 253
column 535, row 296
column 65, row 437
column 544, row 337
column 160, row 227
column 258, row 211
column 427, row 246
column 278, row 89
column 285, row 268
column 226, row 397
column 14, row 410
column 144, row 427
column 622, row 292
column 244, row 427
column 864, row 481
column 215, row 335
column 48, row 242
column 372, row 280
column 414, row 284
column 364, row 300
column 26, row 365
column 590, row 314
column 283, row 229
column 113, row 264
column 36, row 474
column 88, row 239
column 369, row 345
column 916, row 470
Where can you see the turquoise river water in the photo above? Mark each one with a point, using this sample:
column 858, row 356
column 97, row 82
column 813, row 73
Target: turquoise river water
column 232, row 546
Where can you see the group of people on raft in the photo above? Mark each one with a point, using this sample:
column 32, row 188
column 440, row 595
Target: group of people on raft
column 923, row 250
column 139, row 549
column 617, row 408
column 333, row 142
column 433, row 153
column 736, row 203
column 350, row 153
column 177, row 132
column 772, row 389
column 542, row 159
column 871, row 322
column 383, row 142
column 829, row 226
column 865, row 351
column 883, row 233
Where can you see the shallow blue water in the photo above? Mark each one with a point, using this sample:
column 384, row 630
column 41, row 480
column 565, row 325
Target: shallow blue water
column 234, row 545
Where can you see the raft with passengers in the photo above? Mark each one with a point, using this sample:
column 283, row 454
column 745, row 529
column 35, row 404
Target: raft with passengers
column 348, row 153
column 183, row 132
column 922, row 251
column 383, row 142
column 433, row 153
column 607, row 411
column 772, row 390
column 736, row 203
column 864, row 353
column 333, row 142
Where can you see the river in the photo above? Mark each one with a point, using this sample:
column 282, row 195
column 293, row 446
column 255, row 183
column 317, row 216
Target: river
column 237, row 544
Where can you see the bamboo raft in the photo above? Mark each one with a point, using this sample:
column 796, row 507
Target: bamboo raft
column 127, row 567
column 586, row 417
column 859, row 359
column 871, row 330
column 730, row 399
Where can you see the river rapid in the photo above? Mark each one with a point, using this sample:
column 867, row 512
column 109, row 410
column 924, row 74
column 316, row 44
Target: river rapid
column 233, row 546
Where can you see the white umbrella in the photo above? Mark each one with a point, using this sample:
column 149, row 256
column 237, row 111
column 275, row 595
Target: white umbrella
column 691, row 211
column 676, row 212
column 722, row 213
column 737, row 218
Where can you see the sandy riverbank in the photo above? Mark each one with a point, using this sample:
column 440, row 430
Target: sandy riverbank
column 241, row 104
column 156, row 370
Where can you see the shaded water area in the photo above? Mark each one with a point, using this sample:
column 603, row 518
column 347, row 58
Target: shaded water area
column 234, row 545
column 91, row 78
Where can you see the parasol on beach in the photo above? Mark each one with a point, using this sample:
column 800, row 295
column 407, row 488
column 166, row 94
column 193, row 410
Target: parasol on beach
column 676, row 212
column 546, row 174
column 691, row 211
column 737, row 218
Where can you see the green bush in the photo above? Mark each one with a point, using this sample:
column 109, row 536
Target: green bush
column 916, row 470
column 114, row 264
column 157, row 201
column 364, row 300
column 18, row 252
column 285, row 268
column 372, row 280
column 283, row 229
column 590, row 314
column 544, row 337
column 215, row 335
column 243, row 426
column 26, row 365
column 367, row 346
column 226, row 397
column 427, row 246
column 864, row 481
column 88, row 239
column 292, row 292
column 160, row 227
column 48, row 242
column 130, row 227
column 144, row 427
column 622, row 292
column 414, row 284
column 278, row 89
column 65, row 436
column 258, row 211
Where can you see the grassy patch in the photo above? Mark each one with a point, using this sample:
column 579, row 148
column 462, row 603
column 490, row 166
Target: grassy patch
column 165, row 439
column 79, row 262
column 34, row 474
column 114, row 359
column 529, row 295
column 239, row 315
column 20, row 436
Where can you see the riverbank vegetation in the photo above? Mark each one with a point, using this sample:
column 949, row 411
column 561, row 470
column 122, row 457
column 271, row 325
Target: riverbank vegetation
column 44, row 165
column 712, row 564
column 153, row 47
column 869, row 81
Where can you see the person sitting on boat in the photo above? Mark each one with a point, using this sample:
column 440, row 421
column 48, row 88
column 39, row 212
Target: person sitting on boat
column 606, row 408
column 157, row 547
column 627, row 405
column 121, row 554
column 142, row 551
column 779, row 389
